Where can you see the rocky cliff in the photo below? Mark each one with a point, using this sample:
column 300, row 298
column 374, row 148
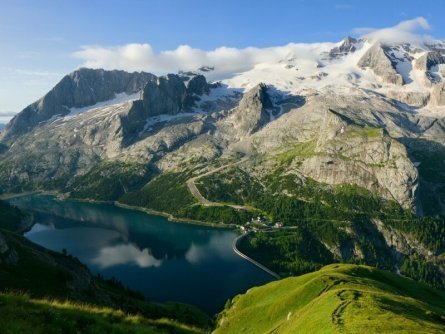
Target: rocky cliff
column 352, row 121
column 82, row 88
column 377, row 59
column 346, row 145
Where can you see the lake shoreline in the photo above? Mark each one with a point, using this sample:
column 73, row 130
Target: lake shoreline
column 7, row 196
column 138, row 248
column 169, row 216
column 174, row 219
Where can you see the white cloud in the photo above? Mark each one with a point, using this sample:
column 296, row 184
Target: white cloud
column 228, row 61
column 131, row 57
column 125, row 254
column 216, row 247
column 418, row 22
column 403, row 32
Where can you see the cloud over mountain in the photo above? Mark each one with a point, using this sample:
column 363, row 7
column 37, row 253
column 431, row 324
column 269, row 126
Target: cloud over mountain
column 226, row 60
column 404, row 32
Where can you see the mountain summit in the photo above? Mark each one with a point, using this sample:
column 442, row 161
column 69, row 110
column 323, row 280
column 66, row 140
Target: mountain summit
column 99, row 115
column 358, row 122
column 82, row 88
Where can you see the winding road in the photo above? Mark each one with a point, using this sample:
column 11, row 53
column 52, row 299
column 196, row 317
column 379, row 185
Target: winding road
column 204, row 201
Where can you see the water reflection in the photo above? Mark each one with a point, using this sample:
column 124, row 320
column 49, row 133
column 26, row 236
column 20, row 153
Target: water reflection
column 164, row 260
column 72, row 213
column 83, row 242
column 125, row 254
column 39, row 228
column 215, row 248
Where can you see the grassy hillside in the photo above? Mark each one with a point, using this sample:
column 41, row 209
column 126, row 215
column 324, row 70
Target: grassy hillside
column 42, row 291
column 328, row 224
column 337, row 299
column 110, row 180
column 21, row 314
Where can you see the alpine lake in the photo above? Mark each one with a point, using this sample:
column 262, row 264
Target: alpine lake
column 165, row 260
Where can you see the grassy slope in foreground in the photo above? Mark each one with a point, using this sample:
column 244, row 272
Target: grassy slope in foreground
column 20, row 314
column 339, row 298
column 62, row 296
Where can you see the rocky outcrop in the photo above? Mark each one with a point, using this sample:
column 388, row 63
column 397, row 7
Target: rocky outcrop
column 347, row 46
column 428, row 60
column 351, row 132
column 250, row 115
column 81, row 88
column 380, row 63
column 346, row 151
column 59, row 151
column 402, row 242
column 379, row 165
column 196, row 87
column 168, row 95
column 411, row 98
column 438, row 95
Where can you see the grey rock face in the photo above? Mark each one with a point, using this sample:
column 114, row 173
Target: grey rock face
column 354, row 132
column 81, row 88
column 410, row 98
column 196, row 87
column 250, row 115
column 344, row 139
column 377, row 60
column 438, row 95
column 348, row 46
column 164, row 96
column 347, row 153
column 428, row 60
column 169, row 95
column 403, row 243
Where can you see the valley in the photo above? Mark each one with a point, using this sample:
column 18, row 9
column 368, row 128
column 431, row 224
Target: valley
column 165, row 261
column 45, row 290
column 302, row 190
column 355, row 173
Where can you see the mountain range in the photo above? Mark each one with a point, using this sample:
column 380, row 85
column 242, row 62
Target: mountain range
column 93, row 116
column 343, row 142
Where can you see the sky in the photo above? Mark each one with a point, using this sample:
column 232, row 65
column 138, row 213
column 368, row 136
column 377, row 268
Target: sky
column 41, row 41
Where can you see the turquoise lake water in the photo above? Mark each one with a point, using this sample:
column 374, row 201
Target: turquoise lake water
column 166, row 261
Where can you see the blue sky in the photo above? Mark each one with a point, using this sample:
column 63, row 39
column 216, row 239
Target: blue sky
column 41, row 40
